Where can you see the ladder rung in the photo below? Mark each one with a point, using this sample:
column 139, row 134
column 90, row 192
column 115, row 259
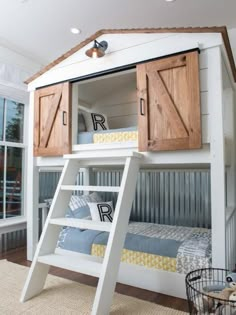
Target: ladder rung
column 85, row 264
column 82, row 224
column 91, row 188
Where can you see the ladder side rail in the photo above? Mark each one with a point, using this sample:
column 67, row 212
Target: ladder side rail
column 49, row 237
column 111, row 262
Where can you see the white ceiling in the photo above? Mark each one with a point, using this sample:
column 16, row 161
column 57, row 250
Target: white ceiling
column 40, row 29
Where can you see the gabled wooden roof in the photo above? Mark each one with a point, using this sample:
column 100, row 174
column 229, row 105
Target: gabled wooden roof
column 214, row 29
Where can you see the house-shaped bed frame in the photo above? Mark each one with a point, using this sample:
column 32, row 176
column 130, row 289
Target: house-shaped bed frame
column 187, row 76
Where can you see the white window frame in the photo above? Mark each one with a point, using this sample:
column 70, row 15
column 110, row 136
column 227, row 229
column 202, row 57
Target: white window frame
column 18, row 222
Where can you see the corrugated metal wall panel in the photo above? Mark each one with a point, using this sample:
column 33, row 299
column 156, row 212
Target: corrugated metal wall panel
column 176, row 197
column 162, row 196
column 12, row 240
column 47, row 184
column 167, row 197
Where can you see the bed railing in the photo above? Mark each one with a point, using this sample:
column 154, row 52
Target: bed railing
column 230, row 238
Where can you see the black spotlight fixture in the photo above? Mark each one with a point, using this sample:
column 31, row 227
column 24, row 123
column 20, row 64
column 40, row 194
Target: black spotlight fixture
column 98, row 49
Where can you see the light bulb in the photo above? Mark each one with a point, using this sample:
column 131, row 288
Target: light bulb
column 75, row 30
column 94, row 53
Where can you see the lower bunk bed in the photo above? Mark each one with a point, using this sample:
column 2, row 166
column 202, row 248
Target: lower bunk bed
column 155, row 256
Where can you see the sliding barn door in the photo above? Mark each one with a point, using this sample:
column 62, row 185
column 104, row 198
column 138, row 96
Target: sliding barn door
column 169, row 103
column 52, row 130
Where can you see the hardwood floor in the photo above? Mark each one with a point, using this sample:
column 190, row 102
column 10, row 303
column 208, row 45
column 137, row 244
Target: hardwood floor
column 19, row 256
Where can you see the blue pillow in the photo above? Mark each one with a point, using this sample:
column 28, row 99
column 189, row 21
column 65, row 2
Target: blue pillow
column 69, row 213
column 79, row 213
column 67, row 232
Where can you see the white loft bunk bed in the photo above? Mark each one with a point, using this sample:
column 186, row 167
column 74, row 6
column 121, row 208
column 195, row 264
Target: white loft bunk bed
column 210, row 144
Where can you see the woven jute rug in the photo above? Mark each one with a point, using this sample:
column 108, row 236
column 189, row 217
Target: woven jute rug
column 62, row 296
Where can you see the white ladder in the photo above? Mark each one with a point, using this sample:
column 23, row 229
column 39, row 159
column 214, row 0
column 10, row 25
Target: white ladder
column 106, row 269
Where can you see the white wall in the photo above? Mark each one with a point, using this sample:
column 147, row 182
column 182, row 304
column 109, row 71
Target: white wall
column 126, row 49
column 120, row 106
column 14, row 69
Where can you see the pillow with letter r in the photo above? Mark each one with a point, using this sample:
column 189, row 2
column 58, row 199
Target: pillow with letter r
column 95, row 121
column 101, row 211
column 80, row 201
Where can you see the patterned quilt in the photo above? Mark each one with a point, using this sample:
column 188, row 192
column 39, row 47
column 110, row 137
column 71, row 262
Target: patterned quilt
column 171, row 248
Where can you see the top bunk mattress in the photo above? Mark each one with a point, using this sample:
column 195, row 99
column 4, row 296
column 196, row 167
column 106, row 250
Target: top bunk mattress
column 170, row 248
column 108, row 136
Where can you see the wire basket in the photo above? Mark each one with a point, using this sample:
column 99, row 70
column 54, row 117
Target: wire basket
column 202, row 286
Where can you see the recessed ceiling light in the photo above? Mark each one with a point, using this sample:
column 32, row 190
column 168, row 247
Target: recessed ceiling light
column 75, row 30
column 170, row 0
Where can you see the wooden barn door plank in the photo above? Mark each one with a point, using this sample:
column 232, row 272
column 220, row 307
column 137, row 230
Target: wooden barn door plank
column 53, row 120
column 52, row 112
column 170, row 93
column 142, row 108
column 169, row 108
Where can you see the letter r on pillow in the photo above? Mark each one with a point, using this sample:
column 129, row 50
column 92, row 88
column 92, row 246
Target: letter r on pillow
column 98, row 120
column 105, row 211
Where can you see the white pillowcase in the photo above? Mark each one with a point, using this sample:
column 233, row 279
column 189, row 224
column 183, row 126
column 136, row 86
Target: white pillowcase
column 95, row 121
column 101, row 211
column 81, row 201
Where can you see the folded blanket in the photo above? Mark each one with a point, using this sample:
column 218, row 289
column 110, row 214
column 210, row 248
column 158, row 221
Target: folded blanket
column 195, row 252
column 171, row 248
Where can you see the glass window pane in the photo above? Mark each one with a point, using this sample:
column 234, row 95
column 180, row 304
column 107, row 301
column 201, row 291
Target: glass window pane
column 14, row 121
column 1, row 179
column 14, row 182
column 1, row 117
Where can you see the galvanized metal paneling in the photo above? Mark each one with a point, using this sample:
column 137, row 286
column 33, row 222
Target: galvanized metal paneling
column 167, row 197
column 47, row 184
column 12, row 240
column 175, row 197
column 231, row 241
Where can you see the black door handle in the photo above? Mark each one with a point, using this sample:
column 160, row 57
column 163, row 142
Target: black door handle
column 64, row 118
column 141, row 103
